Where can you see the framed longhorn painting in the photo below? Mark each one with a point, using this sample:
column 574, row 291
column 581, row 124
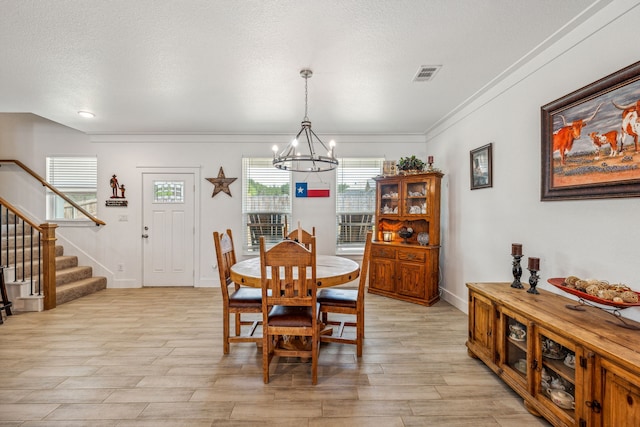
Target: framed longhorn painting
column 590, row 140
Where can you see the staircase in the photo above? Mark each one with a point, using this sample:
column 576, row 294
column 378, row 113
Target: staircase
column 22, row 277
column 36, row 270
column 73, row 281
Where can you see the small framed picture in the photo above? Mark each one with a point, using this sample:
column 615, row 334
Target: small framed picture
column 389, row 167
column 481, row 167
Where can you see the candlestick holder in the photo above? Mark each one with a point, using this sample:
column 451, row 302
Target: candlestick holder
column 430, row 165
column 533, row 281
column 517, row 272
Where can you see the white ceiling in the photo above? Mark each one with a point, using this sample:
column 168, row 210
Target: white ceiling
column 232, row 66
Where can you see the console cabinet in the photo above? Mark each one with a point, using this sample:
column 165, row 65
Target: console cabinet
column 574, row 368
column 403, row 268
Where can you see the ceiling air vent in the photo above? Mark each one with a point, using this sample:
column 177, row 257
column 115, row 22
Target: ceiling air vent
column 426, row 73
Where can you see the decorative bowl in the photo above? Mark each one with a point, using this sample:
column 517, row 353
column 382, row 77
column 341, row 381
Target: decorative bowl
column 559, row 283
column 405, row 233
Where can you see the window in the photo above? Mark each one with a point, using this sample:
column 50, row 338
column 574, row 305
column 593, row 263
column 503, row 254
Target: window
column 77, row 178
column 355, row 201
column 266, row 201
column 168, row 191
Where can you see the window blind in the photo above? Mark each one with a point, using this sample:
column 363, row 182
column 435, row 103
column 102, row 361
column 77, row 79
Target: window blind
column 266, row 201
column 77, row 178
column 73, row 173
column 355, row 199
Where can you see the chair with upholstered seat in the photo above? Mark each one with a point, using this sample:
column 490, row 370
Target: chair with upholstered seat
column 346, row 302
column 289, row 306
column 242, row 300
column 302, row 236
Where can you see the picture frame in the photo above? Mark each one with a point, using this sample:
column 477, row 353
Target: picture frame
column 481, row 167
column 389, row 167
column 590, row 140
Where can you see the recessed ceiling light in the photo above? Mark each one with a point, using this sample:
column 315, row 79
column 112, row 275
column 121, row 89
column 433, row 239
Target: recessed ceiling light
column 86, row 114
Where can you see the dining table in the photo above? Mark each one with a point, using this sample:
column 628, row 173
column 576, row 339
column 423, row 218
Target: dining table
column 331, row 270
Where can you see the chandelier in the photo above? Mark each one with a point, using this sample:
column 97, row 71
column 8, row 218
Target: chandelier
column 292, row 159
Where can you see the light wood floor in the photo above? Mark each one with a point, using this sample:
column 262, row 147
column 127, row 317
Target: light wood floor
column 153, row 357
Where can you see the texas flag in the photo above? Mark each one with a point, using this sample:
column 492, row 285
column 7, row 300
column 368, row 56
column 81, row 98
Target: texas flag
column 312, row 189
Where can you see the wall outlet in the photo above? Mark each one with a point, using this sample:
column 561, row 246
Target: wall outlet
column 123, row 218
column 120, row 267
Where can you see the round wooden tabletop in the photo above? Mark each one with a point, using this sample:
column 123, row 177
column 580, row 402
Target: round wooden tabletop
column 330, row 271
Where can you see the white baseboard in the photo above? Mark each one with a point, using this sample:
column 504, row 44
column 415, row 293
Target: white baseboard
column 207, row 283
column 455, row 301
column 122, row 284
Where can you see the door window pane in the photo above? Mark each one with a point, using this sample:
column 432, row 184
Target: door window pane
column 168, row 191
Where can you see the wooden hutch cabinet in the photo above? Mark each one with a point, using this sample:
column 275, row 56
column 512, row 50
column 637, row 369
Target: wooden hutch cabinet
column 574, row 368
column 403, row 268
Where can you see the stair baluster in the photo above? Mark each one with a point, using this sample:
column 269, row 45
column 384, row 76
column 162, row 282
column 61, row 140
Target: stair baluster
column 5, row 304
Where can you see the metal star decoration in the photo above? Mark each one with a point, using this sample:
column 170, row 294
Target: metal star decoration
column 221, row 183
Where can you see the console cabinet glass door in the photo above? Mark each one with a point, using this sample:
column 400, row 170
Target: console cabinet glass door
column 515, row 336
column 556, row 378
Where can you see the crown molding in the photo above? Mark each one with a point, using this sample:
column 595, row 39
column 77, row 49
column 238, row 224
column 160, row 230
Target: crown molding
column 112, row 138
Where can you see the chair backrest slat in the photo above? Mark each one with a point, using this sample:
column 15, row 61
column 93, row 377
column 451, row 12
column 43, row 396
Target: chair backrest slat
column 226, row 257
column 288, row 273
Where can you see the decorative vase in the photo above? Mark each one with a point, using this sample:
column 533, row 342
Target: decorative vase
column 423, row 239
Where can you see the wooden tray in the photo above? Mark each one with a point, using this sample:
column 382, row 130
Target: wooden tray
column 558, row 282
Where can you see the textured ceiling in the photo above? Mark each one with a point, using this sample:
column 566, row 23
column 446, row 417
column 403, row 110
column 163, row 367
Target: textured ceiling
column 186, row 66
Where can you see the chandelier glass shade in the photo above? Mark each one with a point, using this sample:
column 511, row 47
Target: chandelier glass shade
column 307, row 152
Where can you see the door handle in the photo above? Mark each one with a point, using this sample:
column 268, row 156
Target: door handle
column 145, row 236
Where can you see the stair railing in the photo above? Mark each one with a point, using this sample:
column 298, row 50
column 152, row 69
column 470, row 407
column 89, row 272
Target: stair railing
column 39, row 241
column 45, row 285
column 42, row 181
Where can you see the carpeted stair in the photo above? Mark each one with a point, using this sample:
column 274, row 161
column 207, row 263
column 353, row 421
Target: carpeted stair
column 72, row 281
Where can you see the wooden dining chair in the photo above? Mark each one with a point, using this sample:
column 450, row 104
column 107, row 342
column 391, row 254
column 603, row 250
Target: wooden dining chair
column 241, row 300
column 302, row 236
column 289, row 306
column 347, row 302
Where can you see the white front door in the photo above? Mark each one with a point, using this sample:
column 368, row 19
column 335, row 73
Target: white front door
column 168, row 229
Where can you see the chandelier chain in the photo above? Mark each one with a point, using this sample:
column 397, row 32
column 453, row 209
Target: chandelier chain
column 306, row 97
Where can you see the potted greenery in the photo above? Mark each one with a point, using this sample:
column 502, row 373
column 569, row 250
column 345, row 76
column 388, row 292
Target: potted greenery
column 410, row 164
